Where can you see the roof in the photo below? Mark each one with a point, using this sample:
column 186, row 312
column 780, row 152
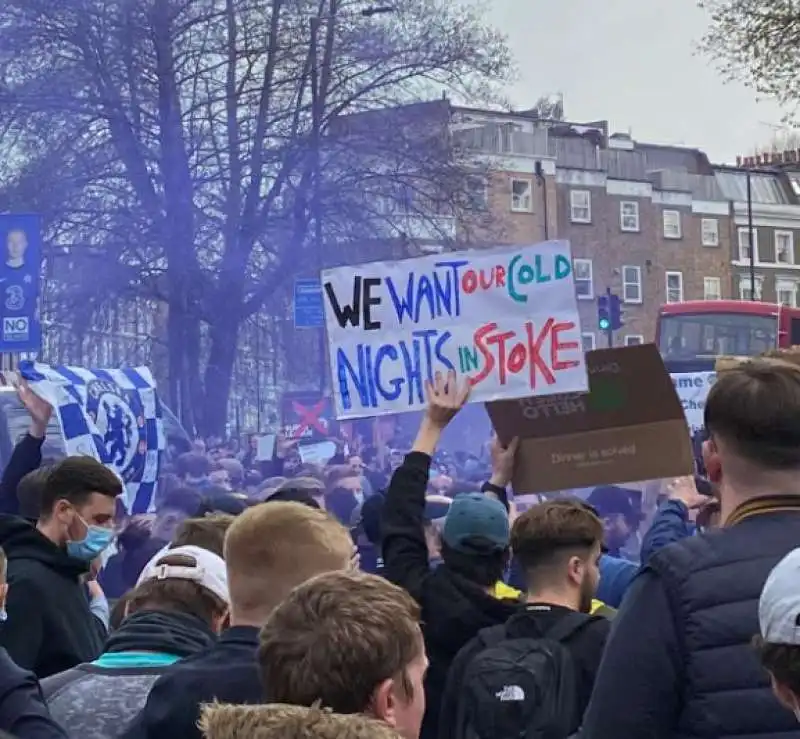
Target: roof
column 766, row 187
column 750, row 307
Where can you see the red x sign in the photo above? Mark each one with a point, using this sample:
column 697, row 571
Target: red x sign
column 309, row 418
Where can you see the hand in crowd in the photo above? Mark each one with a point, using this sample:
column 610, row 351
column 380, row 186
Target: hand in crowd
column 40, row 410
column 502, row 461
column 684, row 490
column 446, row 397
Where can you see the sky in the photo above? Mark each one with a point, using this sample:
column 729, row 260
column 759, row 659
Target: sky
column 633, row 63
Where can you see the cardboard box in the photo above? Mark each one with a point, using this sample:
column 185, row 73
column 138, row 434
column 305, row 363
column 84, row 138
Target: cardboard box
column 630, row 426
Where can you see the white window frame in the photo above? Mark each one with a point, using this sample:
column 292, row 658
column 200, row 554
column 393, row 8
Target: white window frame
column 587, row 206
column 583, row 261
column 523, row 207
column 790, row 236
column 634, row 339
column 592, row 340
column 667, row 275
column 677, row 233
column 744, row 286
column 714, row 240
column 745, row 231
column 784, row 285
column 633, row 225
column 626, row 283
column 717, row 294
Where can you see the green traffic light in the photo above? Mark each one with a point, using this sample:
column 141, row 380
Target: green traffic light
column 605, row 324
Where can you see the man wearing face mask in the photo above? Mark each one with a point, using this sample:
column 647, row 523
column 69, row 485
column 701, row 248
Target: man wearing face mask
column 51, row 624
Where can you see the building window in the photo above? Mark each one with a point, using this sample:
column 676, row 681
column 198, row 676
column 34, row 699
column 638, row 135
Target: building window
column 674, row 281
column 587, row 342
column 744, row 245
column 580, row 206
column 672, row 224
column 634, row 340
column 521, row 196
column 477, row 193
column 629, row 216
column 744, row 288
column 784, row 247
column 710, row 231
column 631, row 284
column 712, row 288
column 584, row 286
column 786, row 293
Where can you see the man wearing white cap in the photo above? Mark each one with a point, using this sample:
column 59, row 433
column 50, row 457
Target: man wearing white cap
column 178, row 607
column 779, row 622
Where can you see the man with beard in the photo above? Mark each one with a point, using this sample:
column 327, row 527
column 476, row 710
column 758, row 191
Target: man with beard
column 548, row 654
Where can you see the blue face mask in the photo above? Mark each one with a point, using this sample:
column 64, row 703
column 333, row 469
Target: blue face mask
column 96, row 541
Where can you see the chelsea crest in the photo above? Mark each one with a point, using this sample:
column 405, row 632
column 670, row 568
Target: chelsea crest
column 121, row 426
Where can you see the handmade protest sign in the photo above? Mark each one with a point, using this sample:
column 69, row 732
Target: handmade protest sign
column 505, row 318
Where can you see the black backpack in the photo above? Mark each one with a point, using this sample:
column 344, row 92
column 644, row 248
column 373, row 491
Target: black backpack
column 521, row 688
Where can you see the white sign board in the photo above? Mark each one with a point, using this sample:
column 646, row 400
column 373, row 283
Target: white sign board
column 505, row 318
column 692, row 389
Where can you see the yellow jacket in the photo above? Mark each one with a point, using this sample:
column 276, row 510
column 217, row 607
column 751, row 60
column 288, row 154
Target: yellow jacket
column 505, row 592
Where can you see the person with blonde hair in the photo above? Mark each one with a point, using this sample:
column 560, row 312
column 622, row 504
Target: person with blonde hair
column 269, row 550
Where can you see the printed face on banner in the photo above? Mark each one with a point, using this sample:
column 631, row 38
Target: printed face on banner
column 505, row 318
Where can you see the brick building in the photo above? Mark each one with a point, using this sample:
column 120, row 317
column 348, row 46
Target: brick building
column 775, row 207
column 649, row 222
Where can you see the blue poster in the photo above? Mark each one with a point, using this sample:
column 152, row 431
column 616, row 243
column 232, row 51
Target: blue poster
column 20, row 273
column 309, row 311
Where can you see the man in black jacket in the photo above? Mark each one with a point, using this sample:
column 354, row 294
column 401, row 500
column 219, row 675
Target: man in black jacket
column 558, row 546
column 457, row 597
column 50, row 626
column 679, row 661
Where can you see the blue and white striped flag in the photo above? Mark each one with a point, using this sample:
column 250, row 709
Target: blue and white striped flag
column 113, row 415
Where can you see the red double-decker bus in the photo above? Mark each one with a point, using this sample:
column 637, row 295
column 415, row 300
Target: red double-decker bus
column 691, row 335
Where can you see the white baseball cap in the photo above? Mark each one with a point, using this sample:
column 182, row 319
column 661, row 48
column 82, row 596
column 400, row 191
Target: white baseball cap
column 208, row 571
column 779, row 604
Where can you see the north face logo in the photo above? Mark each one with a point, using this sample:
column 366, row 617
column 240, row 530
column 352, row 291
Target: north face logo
column 511, row 693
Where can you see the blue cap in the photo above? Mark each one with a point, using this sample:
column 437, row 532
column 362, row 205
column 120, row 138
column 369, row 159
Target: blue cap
column 476, row 516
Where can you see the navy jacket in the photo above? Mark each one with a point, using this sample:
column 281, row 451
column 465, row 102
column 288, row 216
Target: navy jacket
column 227, row 672
column 679, row 662
column 23, row 712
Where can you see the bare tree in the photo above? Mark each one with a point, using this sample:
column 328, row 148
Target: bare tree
column 169, row 146
column 757, row 42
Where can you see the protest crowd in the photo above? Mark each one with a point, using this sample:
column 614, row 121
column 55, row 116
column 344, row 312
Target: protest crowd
column 367, row 597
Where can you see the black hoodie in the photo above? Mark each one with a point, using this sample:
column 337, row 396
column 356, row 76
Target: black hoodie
column 50, row 627
column 454, row 609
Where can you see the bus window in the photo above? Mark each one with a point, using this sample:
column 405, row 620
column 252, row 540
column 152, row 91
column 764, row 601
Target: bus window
column 794, row 332
column 690, row 335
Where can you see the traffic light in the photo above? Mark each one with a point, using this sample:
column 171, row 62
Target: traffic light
column 609, row 312
column 615, row 312
column 603, row 313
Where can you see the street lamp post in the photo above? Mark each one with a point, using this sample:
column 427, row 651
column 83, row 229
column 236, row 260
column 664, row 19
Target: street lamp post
column 750, row 235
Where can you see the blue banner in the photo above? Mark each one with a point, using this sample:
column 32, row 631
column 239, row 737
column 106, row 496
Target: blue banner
column 20, row 274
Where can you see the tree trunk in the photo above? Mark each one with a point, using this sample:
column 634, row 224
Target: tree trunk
column 224, row 335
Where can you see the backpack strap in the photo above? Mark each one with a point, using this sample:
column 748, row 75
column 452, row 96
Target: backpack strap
column 571, row 624
column 492, row 636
